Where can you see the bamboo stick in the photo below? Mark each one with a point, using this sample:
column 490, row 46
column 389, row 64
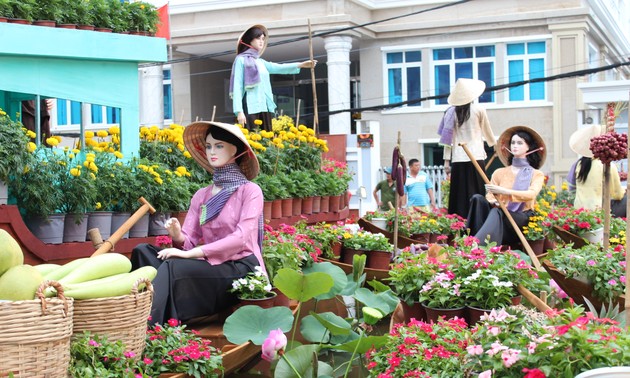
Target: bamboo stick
column 533, row 299
column 516, row 228
column 122, row 230
column 313, row 84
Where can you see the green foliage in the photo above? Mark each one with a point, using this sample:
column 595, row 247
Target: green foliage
column 102, row 14
column 14, row 141
column 6, row 10
column 408, row 273
column 48, row 10
column 253, row 323
column 271, row 186
column 93, row 356
column 367, row 241
column 23, row 9
column 144, row 16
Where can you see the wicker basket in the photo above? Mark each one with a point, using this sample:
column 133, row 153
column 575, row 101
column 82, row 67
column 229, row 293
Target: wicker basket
column 35, row 335
column 119, row 318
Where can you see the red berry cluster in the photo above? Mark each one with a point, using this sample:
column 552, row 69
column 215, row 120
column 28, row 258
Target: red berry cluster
column 610, row 147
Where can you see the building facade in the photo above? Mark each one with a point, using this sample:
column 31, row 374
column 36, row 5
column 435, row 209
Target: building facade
column 382, row 57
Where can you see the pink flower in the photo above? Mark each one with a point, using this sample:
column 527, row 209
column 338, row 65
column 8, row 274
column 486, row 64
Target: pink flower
column 275, row 342
column 474, row 349
column 612, row 282
column 556, row 289
column 510, row 357
column 486, row 374
column 494, row 331
column 173, row 322
column 533, row 373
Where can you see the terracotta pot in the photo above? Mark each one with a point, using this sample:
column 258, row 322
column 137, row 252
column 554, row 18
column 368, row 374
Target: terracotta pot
column 347, row 254
column 103, row 30
column 67, row 26
column 268, row 302
column 433, row 238
column 415, row 311
column 537, row 246
column 297, row 206
column 435, row 313
column 267, row 210
column 19, row 21
column 324, row 207
column 334, row 202
column 378, row 260
column 85, row 27
column 276, row 209
column 549, row 244
column 422, row 237
column 336, row 249
column 287, row 207
column 517, row 300
column 307, row 205
column 48, row 23
column 474, row 314
column 317, row 202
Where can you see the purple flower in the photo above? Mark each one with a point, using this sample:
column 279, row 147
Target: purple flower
column 275, row 342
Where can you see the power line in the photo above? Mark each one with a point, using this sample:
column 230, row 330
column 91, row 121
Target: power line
column 297, row 39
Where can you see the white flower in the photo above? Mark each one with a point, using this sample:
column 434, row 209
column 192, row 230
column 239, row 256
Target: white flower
column 267, row 287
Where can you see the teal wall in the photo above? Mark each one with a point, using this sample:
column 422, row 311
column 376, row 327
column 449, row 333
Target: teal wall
column 84, row 66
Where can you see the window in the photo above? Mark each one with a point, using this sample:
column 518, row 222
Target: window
column 168, row 94
column 68, row 116
column 403, row 76
column 472, row 62
column 526, row 61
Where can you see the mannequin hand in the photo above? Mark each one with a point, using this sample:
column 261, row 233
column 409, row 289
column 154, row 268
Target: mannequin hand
column 241, row 119
column 168, row 253
column 49, row 103
column 497, row 189
column 173, row 227
column 308, row 64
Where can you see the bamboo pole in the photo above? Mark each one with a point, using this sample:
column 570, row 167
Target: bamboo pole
column 297, row 117
column 109, row 244
column 606, row 205
column 516, row 228
column 494, row 156
column 533, row 299
column 313, row 84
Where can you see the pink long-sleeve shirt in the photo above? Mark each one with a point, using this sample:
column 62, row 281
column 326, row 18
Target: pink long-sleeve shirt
column 233, row 234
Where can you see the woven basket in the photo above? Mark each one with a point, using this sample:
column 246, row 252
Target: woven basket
column 119, row 318
column 35, row 335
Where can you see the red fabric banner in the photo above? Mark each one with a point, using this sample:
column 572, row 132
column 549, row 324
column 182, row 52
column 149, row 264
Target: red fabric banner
column 164, row 27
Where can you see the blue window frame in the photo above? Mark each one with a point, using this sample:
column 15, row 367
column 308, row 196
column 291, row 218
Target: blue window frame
column 526, row 61
column 168, row 94
column 471, row 62
column 404, row 76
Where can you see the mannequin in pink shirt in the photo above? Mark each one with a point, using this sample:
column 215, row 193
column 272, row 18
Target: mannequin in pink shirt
column 220, row 239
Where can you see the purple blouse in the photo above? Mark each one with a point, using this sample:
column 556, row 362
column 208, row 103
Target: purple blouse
column 233, row 234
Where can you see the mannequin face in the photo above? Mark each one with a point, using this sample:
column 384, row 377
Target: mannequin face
column 518, row 146
column 258, row 43
column 218, row 152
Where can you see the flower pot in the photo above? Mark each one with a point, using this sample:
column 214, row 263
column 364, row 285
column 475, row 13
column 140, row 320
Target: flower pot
column 347, row 254
column 156, row 223
column 103, row 30
column 333, row 204
column 48, row 23
column 48, row 230
column 297, row 206
column 336, row 249
column 67, row 26
column 117, row 220
column 433, row 314
column 414, row 311
column 307, row 205
column 421, row 237
column 276, row 209
column 380, row 223
column 549, row 244
column 324, row 207
column 102, row 220
column 281, row 298
column 433, row 237
column 141, row 228
column 537, row 246
column 75, row 228
column 267, row 210
column 474, row 314
column 594, row 236
column 180, row 215
column 317, row 202
column 606, row 372
column 85, row 27
column 4, row 193
column 378, row 260
column 287, row 207
column 19, row 21
column 261, row 302
column 516, row 300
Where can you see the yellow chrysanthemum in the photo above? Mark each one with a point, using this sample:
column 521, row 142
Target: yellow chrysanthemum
column 258, row 122
column 30, row 147
column 118, row 154
column 89, row 134
column 31, row 134
column 187, row 154
column 52, row 141
column 75, row 172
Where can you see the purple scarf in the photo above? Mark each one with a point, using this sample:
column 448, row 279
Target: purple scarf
column 521, row 182
column 251, row 77
column 447, row 126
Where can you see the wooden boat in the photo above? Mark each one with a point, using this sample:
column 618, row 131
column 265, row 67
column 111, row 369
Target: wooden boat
column 568, row 237
column 403, row 241
column 578, row 290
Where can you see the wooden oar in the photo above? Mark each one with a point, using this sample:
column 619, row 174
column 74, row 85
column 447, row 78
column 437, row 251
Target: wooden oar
column 517, row 229
column 109, row 244
column 494, row 155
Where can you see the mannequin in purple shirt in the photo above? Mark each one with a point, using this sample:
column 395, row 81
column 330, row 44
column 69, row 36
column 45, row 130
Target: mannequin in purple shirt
column 220, row 239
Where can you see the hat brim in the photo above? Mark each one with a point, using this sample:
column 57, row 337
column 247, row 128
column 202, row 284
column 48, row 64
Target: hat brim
column 263, row 28
column 195, row 142
column 506, row 136
column 580, row 140
column 466, row 91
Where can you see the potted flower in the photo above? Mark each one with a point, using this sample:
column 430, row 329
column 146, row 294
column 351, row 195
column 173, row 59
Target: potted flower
column 6, row 10
column 376, row 246
column 280, row 250
column 483, row 291
column 441, row 296
column 254, row 289
column 14, row 151
column 407, row 275
column 23, row 9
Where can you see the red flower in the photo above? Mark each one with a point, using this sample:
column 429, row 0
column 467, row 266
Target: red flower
column 533, row 373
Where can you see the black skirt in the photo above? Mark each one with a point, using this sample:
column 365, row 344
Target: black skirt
column 189, row 288
column 465, row 182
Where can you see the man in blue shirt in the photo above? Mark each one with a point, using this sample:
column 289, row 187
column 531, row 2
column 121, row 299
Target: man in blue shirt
column 418, row 188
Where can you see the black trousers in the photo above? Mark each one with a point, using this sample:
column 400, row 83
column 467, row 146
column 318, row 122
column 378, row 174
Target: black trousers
column 189, row 288
column 486, row 221
column 465, row 182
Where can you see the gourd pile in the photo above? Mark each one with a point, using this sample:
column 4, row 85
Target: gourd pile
column 106, row 275
column 609, row 147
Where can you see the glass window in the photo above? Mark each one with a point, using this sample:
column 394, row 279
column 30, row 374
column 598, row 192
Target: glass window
column 97, row 114
column 168, row 93
column 404, row 76
column 62, row 112
column 75, row 113
column 526, row 61
column 470, row 62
